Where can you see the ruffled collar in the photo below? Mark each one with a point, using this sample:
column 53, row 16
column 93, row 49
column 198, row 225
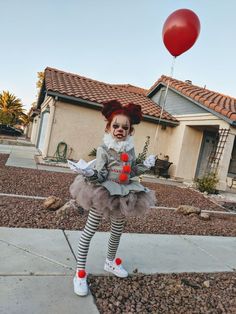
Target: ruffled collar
column 122, row 146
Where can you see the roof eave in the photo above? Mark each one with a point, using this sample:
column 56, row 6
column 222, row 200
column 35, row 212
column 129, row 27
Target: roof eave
column 41, row 95
column 161, row 121
column 154, row 90
column 231, row 122
column 97, row 106
column 75, row 100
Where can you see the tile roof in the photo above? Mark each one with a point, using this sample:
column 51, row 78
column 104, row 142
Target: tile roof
column 74, row 85
column 222, row 104
column 132, row 88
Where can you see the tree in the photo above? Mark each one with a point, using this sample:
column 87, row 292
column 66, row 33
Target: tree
column 24, row 119
column 11, row 108
column 40, row 79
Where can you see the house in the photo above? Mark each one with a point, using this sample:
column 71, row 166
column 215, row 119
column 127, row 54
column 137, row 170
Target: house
column 70, row 106
column 33, row 113
column 196, row 129
column 204, row 140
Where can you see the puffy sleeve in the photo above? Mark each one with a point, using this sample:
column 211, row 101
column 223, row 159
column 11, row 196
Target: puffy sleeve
column 100, row 171
column 136, row 169
column 101, row 165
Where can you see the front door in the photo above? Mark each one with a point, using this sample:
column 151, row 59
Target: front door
column 208, row 146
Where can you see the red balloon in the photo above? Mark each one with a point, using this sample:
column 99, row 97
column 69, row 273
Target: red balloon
column 180, row 31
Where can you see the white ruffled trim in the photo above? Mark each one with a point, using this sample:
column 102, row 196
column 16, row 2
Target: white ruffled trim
column 118, row 146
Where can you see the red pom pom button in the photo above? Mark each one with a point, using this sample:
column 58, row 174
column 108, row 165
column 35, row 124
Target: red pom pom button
column 118, row 261
column 127, row 168
column 123, row 177
column 124, row 157
column 81, row 273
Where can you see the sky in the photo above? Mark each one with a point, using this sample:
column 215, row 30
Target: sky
column 113, row 41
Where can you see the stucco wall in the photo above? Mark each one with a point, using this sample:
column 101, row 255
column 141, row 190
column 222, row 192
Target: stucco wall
column 28, row 129
column 35, row 128
column 191, row 131
column 158, row 138
column 189, row 153
column 82, row 129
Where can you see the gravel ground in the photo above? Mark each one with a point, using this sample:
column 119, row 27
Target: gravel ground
column 32, row 182
column 170, row 294
column 28, row 213
column 25, row 213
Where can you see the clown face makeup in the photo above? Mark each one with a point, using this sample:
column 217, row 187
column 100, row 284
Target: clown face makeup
column 120, row 127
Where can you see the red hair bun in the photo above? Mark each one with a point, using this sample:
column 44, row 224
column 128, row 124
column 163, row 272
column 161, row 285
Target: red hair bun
column 109, row 107
column 114, row 107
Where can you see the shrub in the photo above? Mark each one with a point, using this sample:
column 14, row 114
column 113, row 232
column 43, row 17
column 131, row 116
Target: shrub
column 93, row 152
column 142, row 156
column 207, row 183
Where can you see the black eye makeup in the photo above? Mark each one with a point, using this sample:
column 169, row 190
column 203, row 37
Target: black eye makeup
column 125, row 128
column 116, row 126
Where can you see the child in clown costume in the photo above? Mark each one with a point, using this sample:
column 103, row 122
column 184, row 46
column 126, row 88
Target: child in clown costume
column 112, row 189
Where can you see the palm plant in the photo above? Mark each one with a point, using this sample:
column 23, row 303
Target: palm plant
column 11, row 108
column 24, row 119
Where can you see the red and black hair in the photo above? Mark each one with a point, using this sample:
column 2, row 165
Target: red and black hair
column 113, row 107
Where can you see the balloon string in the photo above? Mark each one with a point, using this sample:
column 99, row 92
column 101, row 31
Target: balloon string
column 164, row 101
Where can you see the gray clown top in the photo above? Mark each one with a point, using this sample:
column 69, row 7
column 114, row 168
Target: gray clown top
column 114, row 189
column 116, row 168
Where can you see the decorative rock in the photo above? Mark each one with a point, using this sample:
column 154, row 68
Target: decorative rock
column 63, row 210
column 73, row 204
column 206, row 283
column 193, row 215
column 52, row 203
column 204, row 216
column 187, row 210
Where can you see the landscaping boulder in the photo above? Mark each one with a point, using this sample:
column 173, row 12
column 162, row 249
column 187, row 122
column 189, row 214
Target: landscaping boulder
column 187, row 210
column 52, row 203
column 204, row 216
column 67, row 207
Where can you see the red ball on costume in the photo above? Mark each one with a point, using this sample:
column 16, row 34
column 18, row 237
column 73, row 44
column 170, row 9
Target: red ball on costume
column 123, row 177
column 124, row 157
column 127, row 168
column 81, row 273
column 118, row 261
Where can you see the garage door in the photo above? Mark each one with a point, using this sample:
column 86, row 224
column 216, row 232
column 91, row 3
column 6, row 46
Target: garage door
column 43, row 129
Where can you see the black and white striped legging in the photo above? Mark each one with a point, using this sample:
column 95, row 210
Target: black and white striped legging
column 91, row 226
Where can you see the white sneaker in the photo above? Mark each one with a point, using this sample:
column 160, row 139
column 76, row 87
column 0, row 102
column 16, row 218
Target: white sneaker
column 80, row 283
column 115, row 267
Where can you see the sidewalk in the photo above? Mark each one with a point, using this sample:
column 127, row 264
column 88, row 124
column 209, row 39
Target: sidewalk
column 23, row 156
column 37, row 265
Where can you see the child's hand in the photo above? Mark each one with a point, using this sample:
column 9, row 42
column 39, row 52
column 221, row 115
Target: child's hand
column 150, row 161
column 88, row 172
column 93, row 178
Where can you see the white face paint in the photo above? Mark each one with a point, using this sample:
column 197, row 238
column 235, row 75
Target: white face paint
column 120, row 127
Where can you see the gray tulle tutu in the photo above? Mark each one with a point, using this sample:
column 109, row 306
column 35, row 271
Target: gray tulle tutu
column 130, row 200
